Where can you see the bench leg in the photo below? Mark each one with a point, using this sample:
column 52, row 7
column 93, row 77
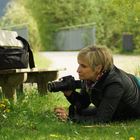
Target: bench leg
column 9, row 92
column 42, row 82
column 42, row 86
column 10, row 83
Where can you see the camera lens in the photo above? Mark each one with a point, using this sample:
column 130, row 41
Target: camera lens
column 65, row 83
column 56, row 86
column 51, row 86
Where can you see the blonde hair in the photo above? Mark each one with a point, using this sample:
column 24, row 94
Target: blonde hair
column 97, row 55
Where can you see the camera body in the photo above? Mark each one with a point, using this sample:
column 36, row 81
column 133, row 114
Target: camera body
column 64, row 83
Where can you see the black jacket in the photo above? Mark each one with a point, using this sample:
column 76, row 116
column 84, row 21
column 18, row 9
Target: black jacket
column 116, row 96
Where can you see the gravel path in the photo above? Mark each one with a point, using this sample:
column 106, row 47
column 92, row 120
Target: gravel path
column 68, row 60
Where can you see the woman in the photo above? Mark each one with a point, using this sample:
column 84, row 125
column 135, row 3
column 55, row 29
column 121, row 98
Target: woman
column 107, row 93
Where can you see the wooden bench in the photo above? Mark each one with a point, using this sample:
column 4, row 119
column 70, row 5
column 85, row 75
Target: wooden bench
column 41, row 77
column 12, row 78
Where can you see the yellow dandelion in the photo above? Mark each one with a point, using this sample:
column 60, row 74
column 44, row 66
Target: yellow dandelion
column 7, row 110
column 2, row 105
column 131, row 138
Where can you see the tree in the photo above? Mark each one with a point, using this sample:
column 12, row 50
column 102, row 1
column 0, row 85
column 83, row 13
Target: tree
column 18, row 16
column 45, row 17
column 52, row 15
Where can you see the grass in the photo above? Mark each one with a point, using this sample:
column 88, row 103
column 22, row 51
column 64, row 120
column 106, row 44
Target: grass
column 32, row 118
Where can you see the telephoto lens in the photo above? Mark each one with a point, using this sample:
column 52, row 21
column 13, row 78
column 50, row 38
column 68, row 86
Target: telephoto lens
column 64, row 83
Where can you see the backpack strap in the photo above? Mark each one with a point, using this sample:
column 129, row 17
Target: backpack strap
column 26, row 46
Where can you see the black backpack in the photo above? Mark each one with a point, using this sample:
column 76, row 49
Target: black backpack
column 17, row 58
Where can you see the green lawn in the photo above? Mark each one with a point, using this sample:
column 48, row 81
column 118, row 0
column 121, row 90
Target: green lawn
column 32, row 118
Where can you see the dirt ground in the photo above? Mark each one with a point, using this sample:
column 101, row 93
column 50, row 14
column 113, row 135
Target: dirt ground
column 128, row 63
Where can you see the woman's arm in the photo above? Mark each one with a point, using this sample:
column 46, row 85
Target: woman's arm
column 80, row 100
column 107, row 108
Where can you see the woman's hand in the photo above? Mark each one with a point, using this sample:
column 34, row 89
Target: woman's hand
column 67, row 93
column 61, row 113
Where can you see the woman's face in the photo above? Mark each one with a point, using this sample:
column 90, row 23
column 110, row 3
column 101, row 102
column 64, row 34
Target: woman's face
column 85, row 71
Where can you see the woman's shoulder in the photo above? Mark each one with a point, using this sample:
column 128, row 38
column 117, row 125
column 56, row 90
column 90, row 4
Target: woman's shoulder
column 117, row 75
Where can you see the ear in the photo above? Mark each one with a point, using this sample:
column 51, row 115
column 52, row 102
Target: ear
column 98, row 69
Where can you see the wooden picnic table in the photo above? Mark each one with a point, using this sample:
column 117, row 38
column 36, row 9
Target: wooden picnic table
column 10, row 79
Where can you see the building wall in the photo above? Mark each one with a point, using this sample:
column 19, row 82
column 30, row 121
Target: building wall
column 74, row 38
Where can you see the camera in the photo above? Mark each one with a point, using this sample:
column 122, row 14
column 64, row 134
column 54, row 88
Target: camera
column 64, row 83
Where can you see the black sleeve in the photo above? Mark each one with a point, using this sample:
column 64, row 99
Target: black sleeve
column 79, row 100
column 108, row 105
